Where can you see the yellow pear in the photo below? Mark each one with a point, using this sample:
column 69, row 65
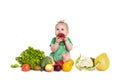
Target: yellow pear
column 102, row 62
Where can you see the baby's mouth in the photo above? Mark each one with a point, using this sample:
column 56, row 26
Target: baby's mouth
column 61, row 35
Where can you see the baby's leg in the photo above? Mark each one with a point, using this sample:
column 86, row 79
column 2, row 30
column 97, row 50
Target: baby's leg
column 66, row 56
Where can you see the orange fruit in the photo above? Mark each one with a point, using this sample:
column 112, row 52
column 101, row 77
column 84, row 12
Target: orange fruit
column 67, row 66
column 70, row 61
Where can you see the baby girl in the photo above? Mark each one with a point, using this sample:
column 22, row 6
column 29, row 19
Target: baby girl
column 61, row 44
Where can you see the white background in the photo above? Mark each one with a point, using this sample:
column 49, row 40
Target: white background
column 93, row 29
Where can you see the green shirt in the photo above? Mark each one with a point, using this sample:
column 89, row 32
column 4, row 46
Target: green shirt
column 57, row 55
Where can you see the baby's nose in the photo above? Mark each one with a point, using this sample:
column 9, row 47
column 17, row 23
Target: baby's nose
column 60, row 31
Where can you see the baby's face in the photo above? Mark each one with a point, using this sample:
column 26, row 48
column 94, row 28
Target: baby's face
column 61, row 28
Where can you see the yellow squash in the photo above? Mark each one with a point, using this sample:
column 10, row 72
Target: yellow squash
column 102, row 62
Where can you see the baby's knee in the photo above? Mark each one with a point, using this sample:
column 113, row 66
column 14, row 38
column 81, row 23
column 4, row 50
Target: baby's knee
column 65, row 56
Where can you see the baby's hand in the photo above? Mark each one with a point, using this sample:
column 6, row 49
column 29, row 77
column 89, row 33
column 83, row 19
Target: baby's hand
column 65, row 39
column 58, row 39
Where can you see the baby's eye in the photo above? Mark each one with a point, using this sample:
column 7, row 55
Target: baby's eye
column 57, row 29
column 62, row 29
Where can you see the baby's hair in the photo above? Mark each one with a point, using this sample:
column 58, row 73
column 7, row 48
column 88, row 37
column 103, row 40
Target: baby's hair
column 63, row 22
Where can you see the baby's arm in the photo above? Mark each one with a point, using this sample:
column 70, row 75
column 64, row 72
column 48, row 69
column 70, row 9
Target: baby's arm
column 68, row 45
column 54, row 47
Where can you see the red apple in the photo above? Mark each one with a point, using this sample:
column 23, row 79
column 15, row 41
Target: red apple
column 61, row 35
column 59, row 62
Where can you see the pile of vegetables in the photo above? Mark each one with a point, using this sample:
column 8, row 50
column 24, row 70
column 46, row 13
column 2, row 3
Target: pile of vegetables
column 35, row 59
column 30, row 56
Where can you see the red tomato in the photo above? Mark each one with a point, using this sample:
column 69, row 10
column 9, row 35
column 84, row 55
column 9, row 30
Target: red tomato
column 25, row 67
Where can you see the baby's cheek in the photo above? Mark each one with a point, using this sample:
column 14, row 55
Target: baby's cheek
column 65, row 33
column 56, row 33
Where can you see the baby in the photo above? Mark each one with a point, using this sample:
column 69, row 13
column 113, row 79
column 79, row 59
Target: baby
column 61, row 44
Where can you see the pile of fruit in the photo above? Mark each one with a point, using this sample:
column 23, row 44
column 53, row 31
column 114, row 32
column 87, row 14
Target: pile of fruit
column 60, row 65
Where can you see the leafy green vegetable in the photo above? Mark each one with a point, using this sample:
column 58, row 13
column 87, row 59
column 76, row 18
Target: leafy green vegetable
column 15, row 65
column 31, row 56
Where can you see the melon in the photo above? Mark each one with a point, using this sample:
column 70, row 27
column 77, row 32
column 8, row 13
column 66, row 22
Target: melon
column 102, row 62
